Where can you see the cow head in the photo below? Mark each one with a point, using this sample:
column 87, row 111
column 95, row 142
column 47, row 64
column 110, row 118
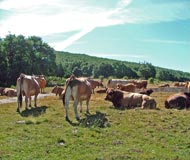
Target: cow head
column 114, row 96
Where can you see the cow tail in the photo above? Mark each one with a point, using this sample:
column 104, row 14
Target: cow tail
column 20, row 93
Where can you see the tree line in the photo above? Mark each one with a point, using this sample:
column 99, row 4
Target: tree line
column 31, row 55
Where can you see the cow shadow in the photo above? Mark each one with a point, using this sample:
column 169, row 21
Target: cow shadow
column 92, row 121
column 35, row 112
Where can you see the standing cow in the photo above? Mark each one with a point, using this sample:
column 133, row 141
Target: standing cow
column 27, row 86
column 79, row 90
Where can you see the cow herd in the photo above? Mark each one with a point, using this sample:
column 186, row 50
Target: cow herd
column 124, row 94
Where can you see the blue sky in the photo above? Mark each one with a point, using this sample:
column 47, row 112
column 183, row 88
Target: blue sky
column 154, row 31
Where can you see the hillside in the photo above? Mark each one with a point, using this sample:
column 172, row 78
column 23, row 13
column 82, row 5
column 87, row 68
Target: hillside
column 72, row 60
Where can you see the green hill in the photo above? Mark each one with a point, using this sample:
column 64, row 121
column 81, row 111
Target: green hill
column 86, row 65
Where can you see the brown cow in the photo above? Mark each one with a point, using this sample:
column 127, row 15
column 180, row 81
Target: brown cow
column 188, row 86
column 164, row 85
column 179, row 84
column 42, row 82
column 57, row 90
column 178, row 100
column 121, row 99
column 141, row 83
column 130, row 87
column 94, row 84
column 79, row 90
column 27, row 86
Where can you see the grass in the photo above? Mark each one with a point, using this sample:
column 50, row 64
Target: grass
column 42, row 133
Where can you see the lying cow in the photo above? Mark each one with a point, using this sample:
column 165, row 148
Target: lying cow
column 121, row 99
column 147, row 92
column 10, row 92
column 178, row 100
column 79, row 90
column 130, row 87
column 27, row 86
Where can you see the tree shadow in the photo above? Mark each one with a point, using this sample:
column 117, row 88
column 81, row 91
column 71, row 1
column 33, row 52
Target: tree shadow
column 35, row 112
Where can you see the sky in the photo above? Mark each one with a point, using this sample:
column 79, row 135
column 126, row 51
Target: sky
column 152, row 31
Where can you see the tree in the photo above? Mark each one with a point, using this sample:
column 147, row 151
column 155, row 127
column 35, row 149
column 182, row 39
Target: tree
column 147, row 70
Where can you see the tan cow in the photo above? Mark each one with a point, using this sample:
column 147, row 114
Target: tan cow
column 79, row 90
column 188, row 86
column 27, row 86
column 42, row 82
column 121, row 99
column 130, row 87
column 10, row 92
column 113, row 82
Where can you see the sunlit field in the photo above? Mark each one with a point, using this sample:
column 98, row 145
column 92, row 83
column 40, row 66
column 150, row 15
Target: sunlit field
column 110, row 134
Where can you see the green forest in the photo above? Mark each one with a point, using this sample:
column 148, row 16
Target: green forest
column 30, row 55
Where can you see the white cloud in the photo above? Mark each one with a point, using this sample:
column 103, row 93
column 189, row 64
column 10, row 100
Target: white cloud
column 166, row 41
column 48, row 17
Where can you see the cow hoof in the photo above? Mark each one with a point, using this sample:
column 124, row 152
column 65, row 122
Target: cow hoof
column 77, row 118
column 67, row 119
column 18, row 110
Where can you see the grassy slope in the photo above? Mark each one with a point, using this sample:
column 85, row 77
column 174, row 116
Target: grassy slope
column 132, row 134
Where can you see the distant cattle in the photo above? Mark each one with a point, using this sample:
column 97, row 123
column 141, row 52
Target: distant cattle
column 113, row 82
column 57, row 90
column 79, row 90
column 147, row 92
column 94, row 84
column 27, row 86
column 121, row 99
column 141, row 83
column 10, row 92
column 42, row 82
column 130, row 87
column 179, row 84
column 164, row 85
column 188, row 86
column 178, row 100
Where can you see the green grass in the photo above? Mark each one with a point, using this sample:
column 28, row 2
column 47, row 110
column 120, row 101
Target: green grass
column 43, row 134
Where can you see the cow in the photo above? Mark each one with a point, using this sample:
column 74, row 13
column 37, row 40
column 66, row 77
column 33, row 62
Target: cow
column 57, row 90
column 27, row 86
column 179, row 84
column 1, row 90
column 113, row 82
column 188, row 86
column 94, row 83
column 147, row 92
column 130, row 87
column 179, row 100
column 79, row 90
column 121, row 99
column 141, row 84
column 10, row 92
column 164, row 85
column 42, row 82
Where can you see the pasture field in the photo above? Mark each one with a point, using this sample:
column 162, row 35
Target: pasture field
column 43, row 134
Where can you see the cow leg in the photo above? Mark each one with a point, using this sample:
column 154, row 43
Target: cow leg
column 30, row 101
column 26, row 102
column 87, row 104
column 75, row 104
column 35, row 100
column 80, row 106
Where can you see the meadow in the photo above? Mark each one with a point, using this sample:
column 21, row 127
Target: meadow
column 107, row 134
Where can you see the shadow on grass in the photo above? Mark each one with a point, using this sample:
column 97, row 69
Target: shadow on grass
column 92, row 120
column 37, row 111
